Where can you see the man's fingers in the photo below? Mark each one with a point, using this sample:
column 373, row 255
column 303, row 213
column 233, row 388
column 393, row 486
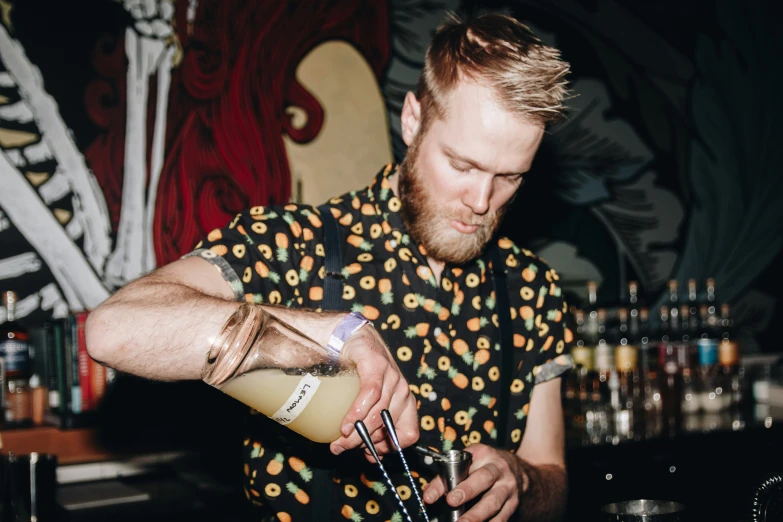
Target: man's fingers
column 370, row 393
column 490, row 505
column 372, row 419
column 407, row 425
column 508, row 510
column 477, row 482
column 434, row 490
column 378, row 379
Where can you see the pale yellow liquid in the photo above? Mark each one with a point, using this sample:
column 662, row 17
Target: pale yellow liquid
column 320, row 421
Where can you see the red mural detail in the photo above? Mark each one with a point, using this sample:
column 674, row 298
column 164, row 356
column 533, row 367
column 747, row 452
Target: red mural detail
column 105, row 100
column 227, row 108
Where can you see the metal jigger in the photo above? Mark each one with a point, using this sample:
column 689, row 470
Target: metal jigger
column 454, row 466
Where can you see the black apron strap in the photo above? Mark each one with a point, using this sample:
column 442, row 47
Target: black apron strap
column 333, row 292
column 333, row 264
column 506, row 343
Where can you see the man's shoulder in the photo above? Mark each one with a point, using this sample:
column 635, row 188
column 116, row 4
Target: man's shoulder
column 522, row 263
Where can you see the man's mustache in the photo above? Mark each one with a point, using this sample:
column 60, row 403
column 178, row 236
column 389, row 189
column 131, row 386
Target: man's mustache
column 484, row 222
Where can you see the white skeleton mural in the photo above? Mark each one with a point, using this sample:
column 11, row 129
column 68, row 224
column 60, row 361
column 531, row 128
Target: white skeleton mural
column 41, row 165
column 643, row 172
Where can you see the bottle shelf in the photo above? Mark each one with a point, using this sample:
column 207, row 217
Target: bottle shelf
column 71, row 446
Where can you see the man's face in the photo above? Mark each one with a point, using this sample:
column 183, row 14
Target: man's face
column 459, row 177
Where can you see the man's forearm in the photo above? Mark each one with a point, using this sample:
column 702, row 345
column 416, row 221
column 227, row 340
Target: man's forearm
column 545, row 497
column 163, row 330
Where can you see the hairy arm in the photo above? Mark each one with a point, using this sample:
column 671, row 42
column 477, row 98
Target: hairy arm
column 541, row 456
column 162, row 325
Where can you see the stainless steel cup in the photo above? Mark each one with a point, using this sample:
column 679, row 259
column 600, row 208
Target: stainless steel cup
column 454, row 467
column 644, row 511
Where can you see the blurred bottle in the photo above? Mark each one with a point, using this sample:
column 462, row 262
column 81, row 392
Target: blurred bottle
column 14, row 342
column 648, row 363
column 604, row 365
column 591, row 313
column 626, row 359
column 732, row 374
column 15, row 355
column 711, row 396
column 670, row 378
column 582, row 375
column 694, row 323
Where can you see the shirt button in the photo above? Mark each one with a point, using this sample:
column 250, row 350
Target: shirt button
column 437, row 331
column 393, row 243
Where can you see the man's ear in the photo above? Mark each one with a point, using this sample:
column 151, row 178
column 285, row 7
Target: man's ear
column 410, row 119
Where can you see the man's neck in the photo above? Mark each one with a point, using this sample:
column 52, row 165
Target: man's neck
column 435, row 265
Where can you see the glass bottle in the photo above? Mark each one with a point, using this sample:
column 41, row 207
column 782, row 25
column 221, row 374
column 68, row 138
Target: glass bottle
column 14, row 342
column 670, row 379
column 648, row 366
column 591, row 313
column 633, row 310
column 626, row 369
column 282, row 373
column 674, row 294
column 583, row 360
column 601, row 394
column 694, row 323
column 732, row 374
column 712, row 399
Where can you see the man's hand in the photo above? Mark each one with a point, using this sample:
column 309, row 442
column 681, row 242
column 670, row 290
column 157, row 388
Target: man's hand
column 382, row 387
column 495, row 475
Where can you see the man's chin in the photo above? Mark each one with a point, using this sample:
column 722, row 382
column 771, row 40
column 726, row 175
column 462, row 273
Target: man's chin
column 457, row 252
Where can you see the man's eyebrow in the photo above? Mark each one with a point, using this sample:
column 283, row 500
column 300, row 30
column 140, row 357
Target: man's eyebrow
column 451, row 153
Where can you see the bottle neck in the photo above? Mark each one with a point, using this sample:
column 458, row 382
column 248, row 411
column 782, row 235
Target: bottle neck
column 10, row 306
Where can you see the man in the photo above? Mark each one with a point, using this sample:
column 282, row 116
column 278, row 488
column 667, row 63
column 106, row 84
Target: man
column 416, row 252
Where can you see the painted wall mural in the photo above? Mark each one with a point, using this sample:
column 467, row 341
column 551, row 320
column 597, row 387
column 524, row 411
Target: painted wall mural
column 130, row 128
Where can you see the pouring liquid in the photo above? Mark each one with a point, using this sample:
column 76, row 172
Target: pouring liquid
column 269, row 391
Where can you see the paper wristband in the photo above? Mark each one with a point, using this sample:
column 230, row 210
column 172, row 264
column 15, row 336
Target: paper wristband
column 344, row 330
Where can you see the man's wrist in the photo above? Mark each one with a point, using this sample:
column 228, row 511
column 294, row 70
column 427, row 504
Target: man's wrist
column 524, row 471
column 347, row 326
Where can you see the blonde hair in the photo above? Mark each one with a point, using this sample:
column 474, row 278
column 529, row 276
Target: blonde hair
column 527, row 76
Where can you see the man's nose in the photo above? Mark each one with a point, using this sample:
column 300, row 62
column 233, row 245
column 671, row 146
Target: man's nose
column 478, row 195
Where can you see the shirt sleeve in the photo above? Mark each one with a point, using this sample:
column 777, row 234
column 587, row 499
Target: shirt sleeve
column 266, row 254
column 553, row 335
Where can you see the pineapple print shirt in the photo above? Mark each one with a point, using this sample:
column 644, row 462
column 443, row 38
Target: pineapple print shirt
column 444, row 337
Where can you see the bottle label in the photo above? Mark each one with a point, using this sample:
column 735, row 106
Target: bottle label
column 708, row 351
column 15, row 354
column 298, row 400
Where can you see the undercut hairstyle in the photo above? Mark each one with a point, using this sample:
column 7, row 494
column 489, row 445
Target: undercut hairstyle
column 495, row 50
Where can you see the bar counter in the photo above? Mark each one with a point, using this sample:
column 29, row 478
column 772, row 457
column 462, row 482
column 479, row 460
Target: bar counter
column 712, row 463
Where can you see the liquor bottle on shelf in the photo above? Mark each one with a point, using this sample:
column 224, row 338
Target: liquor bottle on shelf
column 726, row 323
column 583, row 359
column 712, row 399
column 709, row 289
column 670, row 378
column 712, row 305
column 674, row 294
column 694, row 324
column 604, row 364
column 15, row 354
column 663, row 324
column 685, row 323
column 633, row 311
column 690, row 398
column 732, row 374
column 571, row 401
column 705, row 331
column 626, row 358
column 648, row 364
column 591, row 313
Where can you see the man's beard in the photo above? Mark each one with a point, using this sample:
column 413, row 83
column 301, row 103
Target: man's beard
column 429, row 225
